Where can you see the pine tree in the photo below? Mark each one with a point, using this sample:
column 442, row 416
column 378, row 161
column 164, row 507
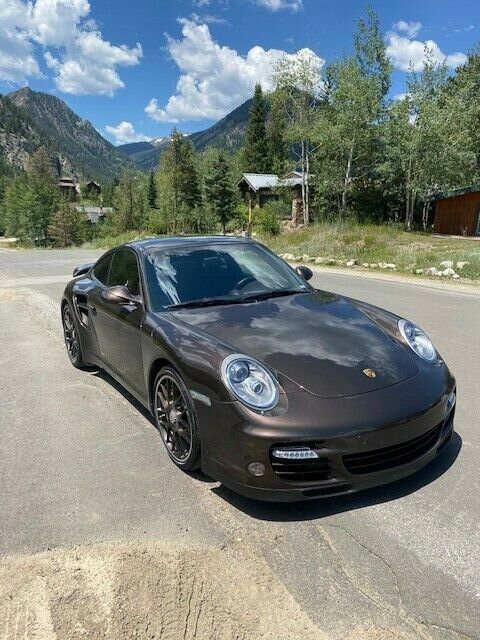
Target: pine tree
column 41, row 197
column 256, row 157
column 219, row 191
column 129, row 202
column 152, row 191
column 67, row 227
column 278, row 147
column 178, row 182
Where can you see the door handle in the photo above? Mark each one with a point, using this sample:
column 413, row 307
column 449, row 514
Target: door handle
column 93, row 309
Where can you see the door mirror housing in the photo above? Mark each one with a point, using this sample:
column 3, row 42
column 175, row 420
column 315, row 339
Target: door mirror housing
column 82, row 269
column 305, row 272
column 119, row 294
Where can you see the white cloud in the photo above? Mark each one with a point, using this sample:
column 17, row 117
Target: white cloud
column 82, row 61
column 207, row 19
column 124, row 132
column 410, row 55
column 410, row 28
column 279, row 5
column 215, row 79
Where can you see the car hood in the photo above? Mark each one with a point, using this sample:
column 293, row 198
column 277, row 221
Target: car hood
column 320, row 341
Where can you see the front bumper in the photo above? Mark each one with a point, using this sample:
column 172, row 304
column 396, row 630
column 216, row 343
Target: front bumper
column 350, row 459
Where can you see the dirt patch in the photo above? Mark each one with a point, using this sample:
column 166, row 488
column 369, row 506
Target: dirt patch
column 6, row 295
column 147, row 591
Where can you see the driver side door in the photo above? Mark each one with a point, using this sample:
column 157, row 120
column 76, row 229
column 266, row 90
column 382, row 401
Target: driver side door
column 118, row 324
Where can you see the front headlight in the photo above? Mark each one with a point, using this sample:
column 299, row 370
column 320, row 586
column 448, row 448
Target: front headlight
column 250, row 382
column 417, row 340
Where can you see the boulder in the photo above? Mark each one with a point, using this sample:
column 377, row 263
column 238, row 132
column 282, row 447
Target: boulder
column 448, row 272
column 373, row 265
column 365, row 264
column 319, row 260
column 351, row 263
column 446, row 264
column 460, row 265
column 390, row 265
column 455, row 276
column 419, row 272
column 383, row 265
column 331, row 261
column 431, row 271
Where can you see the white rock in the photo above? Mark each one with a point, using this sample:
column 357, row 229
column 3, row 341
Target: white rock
column 297, row 258
column 419, row 271
column 306, row 257
column 319, row 260
column 331, row 261
column 460, row 265
column 448, row 272
column 455, row 276
column 431, row 271
column 351, row 263
column 446, row 264
column 390, row 265
column 382, row 265
column 365, row 264
column 373, row 265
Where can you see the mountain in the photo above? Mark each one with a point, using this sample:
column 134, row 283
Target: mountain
column 36, row 118
column 226, row 134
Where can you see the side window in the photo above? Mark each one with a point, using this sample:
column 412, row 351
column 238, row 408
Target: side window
column 125, row 271
column 100, row 270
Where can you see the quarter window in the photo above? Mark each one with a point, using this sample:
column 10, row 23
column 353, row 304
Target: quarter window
column 124, row 271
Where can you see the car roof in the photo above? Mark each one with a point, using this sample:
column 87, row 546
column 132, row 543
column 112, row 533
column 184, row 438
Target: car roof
column 178, row 241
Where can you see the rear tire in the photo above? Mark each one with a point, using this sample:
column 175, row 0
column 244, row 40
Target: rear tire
column 176, row 419
column 72, row 337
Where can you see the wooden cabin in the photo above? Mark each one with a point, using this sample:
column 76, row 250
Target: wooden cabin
column 457, row 213
column 93, row 188
column 69, row 188
column 259, row 188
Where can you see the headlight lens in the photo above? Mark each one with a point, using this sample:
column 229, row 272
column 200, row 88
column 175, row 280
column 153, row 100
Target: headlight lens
column 249, row 381
column 417, row 340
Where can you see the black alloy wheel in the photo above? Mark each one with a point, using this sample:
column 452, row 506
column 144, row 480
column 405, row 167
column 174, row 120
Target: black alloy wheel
column 176, row 419
column 72, row 340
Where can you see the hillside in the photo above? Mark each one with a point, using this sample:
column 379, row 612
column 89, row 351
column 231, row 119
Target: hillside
column 226, row 134
column 36, row 118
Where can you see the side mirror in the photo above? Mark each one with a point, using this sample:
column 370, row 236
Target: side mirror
column 305, row 272
column 119, row 294
column 82, row 269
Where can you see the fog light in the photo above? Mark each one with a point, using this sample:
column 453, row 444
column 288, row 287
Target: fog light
column 295, row 453
column 256, row 468
column 452, row 398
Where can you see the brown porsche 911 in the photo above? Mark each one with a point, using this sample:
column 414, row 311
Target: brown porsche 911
column 276, row 389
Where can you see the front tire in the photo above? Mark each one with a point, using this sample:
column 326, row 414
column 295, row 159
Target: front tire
column 72, row 338
column 176, row 419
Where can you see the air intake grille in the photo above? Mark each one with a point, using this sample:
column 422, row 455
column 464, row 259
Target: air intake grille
column 394, row 456
column 314, row 470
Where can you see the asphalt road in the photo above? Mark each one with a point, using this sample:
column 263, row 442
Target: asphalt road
column 80, row 462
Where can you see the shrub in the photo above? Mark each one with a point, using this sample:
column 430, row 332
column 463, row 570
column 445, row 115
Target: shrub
column 266, row 220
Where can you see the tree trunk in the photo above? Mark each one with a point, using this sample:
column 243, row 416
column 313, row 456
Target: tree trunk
column 306, row 178
column 347, row 180
column 425, row 209
column 303, row 167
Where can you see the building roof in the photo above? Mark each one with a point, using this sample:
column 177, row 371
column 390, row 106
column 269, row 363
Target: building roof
column 258, row 181
column 99, row 210
column 444, row 195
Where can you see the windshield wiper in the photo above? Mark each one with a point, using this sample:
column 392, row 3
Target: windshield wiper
column 208, row 302
column 264, row 295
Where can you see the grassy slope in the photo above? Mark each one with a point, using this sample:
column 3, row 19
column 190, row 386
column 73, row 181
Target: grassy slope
column 366, row 243
column 380, row 243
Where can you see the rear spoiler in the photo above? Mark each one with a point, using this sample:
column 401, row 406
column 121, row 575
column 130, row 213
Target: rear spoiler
column 82, row 269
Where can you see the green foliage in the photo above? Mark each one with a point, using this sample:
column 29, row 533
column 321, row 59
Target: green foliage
column 151, row 191
column 130, row 202
column 68, row 226
column 277, row 143
column 219, row 191
column 266, row 220
column 178, row 182
column 256, row 156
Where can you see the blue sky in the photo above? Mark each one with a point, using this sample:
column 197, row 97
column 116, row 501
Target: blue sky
column 136, row 69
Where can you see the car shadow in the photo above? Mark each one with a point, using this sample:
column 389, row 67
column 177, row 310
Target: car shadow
column 316, row 509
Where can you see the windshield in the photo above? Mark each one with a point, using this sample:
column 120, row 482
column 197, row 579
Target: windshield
column 216, row 273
